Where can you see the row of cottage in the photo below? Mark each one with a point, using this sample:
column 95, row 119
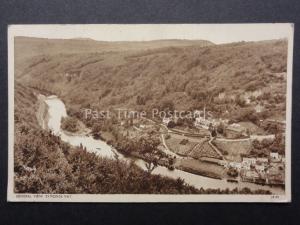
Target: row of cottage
column 259, row 164
column 261, row 170
column 231, row 131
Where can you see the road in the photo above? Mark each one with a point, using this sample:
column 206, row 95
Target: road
column 167, row 150
column 215, row 148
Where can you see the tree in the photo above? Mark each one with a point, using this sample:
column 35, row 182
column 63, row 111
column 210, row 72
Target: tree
column 220, row 128
column 246, row 190
column 171, row 124
column 167, row 106
column 256, row 144
column 232, row 172
column 241, row 101
column 148, row 147
column 168, row 136
column 184, row 141
column 140, row 100
column 213, row 133
column 131, row 121
column 96, row 130
column 253, row 117
column 70, row 124
column 278, row 145
column 180, row 122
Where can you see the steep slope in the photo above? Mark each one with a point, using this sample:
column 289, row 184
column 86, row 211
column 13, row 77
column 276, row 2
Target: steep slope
column 46, row 165
column 190, row 76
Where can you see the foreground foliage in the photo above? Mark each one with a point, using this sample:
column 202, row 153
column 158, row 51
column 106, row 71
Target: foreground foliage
column 43, row 164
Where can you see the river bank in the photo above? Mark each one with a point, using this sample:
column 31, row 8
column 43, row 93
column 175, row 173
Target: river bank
column 190, row 165
column 56, row 109
column 42, row 114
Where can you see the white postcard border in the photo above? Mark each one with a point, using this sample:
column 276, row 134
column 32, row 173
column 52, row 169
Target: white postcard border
column 16, row 197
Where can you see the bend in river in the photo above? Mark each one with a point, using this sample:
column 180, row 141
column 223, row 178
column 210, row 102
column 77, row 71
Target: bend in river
column 57, row 110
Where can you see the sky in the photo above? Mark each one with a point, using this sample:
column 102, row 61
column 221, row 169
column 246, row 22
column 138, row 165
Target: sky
column 216, row 33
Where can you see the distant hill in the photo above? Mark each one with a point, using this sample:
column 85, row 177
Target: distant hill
column 142, row 75
column 28, row 46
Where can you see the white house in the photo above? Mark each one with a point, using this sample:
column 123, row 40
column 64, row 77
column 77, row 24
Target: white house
column 260, row 168
column 251, row 174
column 274, row 155
column 201, row 122
column 166, row 120
column 247, row 101
column 235, row 131
column 259, row 108
column 235, row 165
column 262, row 160
column 250, row 161
column 246, row 165
column 221, row 95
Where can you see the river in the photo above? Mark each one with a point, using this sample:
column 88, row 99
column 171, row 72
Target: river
column 57, row 110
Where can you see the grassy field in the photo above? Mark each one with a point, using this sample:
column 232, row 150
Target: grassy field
column 234, row 149
column 174, row 144
column 195, row 147
column 254, row 129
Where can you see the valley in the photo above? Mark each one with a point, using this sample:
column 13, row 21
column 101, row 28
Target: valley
column 242, row 86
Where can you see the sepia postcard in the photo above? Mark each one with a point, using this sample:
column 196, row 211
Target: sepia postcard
column 150, row 113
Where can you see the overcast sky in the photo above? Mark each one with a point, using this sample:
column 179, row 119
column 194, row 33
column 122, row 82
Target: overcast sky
column 217, row 33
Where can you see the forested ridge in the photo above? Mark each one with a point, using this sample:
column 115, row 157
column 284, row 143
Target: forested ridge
column 45, row 164
column 190, row 74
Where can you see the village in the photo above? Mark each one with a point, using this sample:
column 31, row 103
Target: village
column 213, row 147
